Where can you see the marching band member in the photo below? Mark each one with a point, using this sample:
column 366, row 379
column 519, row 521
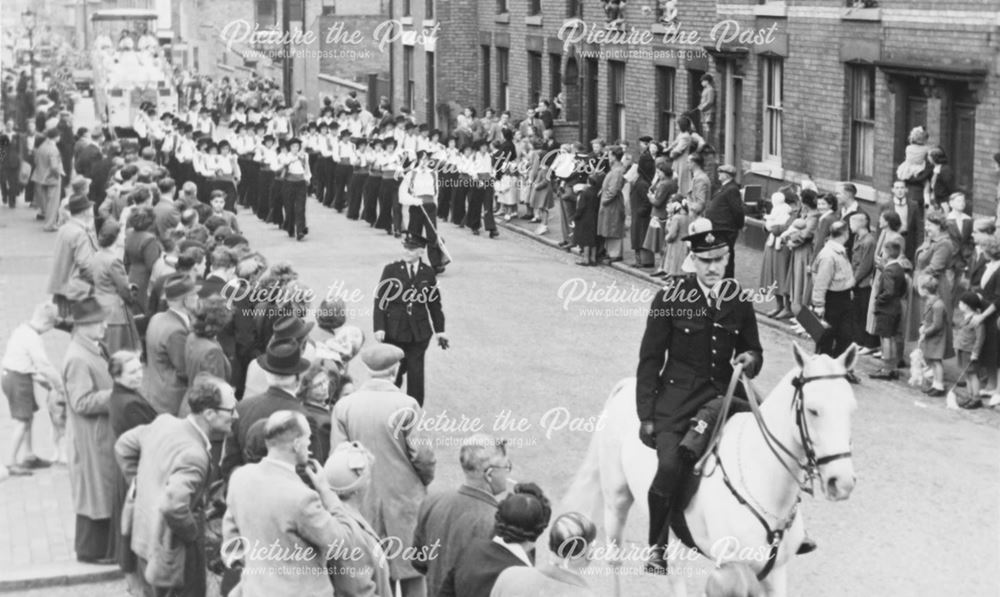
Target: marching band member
column 239, row 114
column 444, row 163
column 205, row 126
column 354, row 122
column 345, row 150
column 326, row 116
column 281, row 125
column 244, row 145
column 423, row 188
column 276, row 201
column 295, row 165
column 329, row 158
column 408, row 143
column 373, row 186
column 310, row 142
column 390, row 214
column 201, row 168
column 481, row 194
column 193, row 112
column 184, row 154
column 226, row 174
column 359, row 177
column 264, row 159
column 169, row 144
column 461, row 197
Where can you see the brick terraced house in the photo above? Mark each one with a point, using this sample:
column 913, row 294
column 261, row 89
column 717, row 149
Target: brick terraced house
column 824, row 88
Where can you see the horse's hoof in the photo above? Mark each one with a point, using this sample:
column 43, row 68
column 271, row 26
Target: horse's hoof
column 807, row 546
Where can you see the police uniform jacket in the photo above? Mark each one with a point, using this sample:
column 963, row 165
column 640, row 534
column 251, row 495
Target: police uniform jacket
column 684, row 360
column 408, row 308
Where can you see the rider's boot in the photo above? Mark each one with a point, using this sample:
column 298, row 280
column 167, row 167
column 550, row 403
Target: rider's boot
column 659, row 515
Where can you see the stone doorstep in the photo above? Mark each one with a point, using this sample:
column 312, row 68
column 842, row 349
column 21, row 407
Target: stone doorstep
column 56, row 574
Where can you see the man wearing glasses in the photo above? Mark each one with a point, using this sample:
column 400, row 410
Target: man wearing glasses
column 454, row 519
column 169, row 460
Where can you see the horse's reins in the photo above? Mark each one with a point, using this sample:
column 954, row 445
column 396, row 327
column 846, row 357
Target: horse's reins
column 810, row 466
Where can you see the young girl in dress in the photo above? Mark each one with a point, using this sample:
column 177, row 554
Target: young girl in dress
column 676, row 228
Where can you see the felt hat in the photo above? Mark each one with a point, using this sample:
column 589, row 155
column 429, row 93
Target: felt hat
column 283, row 357
column 78, row 204
column 88, row 311
column 178, row 286
column 291, row 328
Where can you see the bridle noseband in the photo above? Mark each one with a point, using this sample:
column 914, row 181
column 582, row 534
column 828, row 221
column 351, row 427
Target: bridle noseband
column 812, row 463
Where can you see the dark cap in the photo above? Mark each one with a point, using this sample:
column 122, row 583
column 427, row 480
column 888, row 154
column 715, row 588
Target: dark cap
column 413, row 241
column 645, row 139
column 177, row 287
column 709, row 240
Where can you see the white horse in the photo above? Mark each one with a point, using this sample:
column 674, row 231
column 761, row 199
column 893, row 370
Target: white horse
column 618, row 469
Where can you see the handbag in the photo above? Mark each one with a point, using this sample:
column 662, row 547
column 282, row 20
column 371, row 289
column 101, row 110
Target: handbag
column 24, row 174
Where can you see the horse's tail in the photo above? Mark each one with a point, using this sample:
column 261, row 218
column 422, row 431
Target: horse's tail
column 584, row 494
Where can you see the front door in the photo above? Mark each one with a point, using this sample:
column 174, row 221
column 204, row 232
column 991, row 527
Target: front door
column 732, row 116
column 593, row 97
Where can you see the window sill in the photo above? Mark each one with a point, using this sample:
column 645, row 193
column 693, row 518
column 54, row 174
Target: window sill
column 430, row 23
column 769, row 169
column 502, row 18
column 406, row 21
column 771, row 9
column 533, row 20
column 861, row 14
column 658, row 29
column 866, row 192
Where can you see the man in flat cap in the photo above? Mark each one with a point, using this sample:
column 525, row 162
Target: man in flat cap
column 726, row 211
column 697, row 329
column 405, row 463
column 408, row 312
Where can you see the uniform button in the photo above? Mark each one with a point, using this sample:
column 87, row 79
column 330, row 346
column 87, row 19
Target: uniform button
column 713, row 351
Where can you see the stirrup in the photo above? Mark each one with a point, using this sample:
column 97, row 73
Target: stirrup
column 657, row 563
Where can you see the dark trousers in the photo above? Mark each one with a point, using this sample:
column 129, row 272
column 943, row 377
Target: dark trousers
column 10, row 187
column 261, row 194
column 344, row 174
column 387, row 197
column 295, row 207
column 370, row 195
column 412, row 366
column 459, row 200
column 275, row 215
column 94, row 539
column 670, row 470
column 839, row 314
column 246, row 181
column 426, row 226
column 481, row 207
column 321, row 177
column 731, row 266
column 445, row 191
column 331, row 182
column 358, row 181
column 863, row 338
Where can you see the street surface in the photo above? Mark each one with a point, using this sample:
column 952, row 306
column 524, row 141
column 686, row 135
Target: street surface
column 923, row 519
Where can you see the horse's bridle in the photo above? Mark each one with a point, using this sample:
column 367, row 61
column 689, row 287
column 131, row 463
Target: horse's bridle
column 810, row 467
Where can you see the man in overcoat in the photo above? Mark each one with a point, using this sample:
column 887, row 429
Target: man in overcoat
column 384, row 419
column 90, row 440
column 71, row 278
column 697, row 329
column 726, row 211
column 47, row 178
column 408, row 312
column 165, row 379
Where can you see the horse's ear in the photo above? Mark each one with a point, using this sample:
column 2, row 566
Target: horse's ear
column 850, row 357
column 800, row 355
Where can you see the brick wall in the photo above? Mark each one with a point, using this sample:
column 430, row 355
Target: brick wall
column 816, row 127
column 340, row 58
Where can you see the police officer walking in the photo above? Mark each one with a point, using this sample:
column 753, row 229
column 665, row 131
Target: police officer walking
column 408, row 312
column 698, row 328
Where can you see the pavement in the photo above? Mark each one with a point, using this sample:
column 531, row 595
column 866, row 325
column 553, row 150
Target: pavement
column 521, row 346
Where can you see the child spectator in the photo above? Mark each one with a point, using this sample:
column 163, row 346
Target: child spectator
column 585, row 220
column 935, row 341
column 916, row 155
column 969, row 335
column 674, row 250
column 889, row 309
column 218, row 202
